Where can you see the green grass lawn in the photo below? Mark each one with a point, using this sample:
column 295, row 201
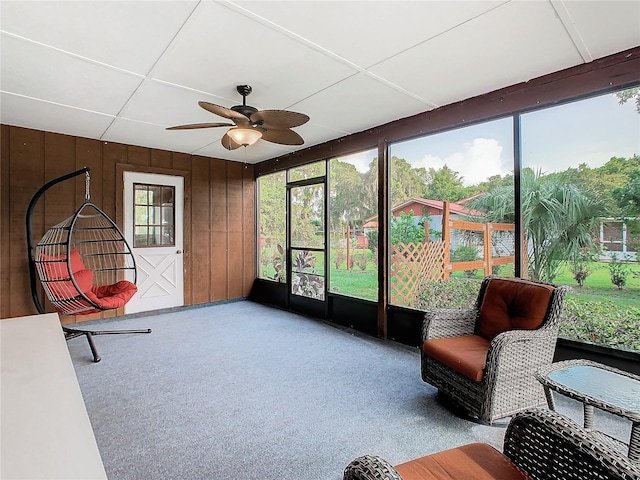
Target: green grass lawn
column 598, row 312
column 598, row 286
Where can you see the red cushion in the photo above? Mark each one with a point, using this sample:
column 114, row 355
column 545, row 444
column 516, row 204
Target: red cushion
column 513, row 304
column 109, row 297
column 477, row 461
column 112, row 296
column 62, row 289
column 55, row 267
column 466, row 355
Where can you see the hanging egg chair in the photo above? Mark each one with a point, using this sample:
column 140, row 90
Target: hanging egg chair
column 84, row 264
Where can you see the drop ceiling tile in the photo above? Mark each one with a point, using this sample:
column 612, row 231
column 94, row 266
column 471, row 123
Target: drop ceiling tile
column 43, row 73
column 125, row 34
column 220, row 48
column 606, row 27
column 170, row 105
column 358, row 103
column 366, row 32
column 147, row 134
column 498, row 49
column 252, row 154
column 31, row 113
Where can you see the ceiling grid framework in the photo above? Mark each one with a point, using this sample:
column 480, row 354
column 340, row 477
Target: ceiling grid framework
column 122, row 71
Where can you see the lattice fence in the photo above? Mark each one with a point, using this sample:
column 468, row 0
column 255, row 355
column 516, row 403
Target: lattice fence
column 410, row 264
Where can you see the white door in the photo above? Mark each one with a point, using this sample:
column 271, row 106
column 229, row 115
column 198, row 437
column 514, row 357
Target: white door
column 153, row 220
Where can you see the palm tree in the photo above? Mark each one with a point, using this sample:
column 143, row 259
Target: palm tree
column 558, row 219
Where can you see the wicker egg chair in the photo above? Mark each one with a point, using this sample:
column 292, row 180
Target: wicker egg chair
column 84, row 264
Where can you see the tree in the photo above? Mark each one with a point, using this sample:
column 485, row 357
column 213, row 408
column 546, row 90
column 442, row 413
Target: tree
column 404, row 229
column 370, row 187
column 628, row 195
column 347, row 196
column 628, row 94
column 558, row 219
column 306, row 215
column 604, row 179
column 444, row 184
column 491, row 183
column 406, row 182
column 272, row 191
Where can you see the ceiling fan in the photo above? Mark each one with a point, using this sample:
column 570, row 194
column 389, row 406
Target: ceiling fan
column 250, row 124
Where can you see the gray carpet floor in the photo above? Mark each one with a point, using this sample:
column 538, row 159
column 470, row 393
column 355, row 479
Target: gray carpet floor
column 242, row 391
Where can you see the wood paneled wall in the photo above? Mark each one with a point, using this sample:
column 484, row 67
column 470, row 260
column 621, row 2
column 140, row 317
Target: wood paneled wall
column 219, row 209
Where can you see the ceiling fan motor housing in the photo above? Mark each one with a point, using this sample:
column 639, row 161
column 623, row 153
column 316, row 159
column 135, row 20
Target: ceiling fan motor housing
column 244, row 109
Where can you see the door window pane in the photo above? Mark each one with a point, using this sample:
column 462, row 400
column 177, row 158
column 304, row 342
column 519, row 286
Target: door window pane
column 307, row 216
column 307, row 273
column 154, row 217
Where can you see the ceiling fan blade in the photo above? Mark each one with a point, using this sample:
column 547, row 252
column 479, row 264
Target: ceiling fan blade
column 222, row 111
column 228, row 143
column 282, row 136
column 279, row 119
column 199, row 125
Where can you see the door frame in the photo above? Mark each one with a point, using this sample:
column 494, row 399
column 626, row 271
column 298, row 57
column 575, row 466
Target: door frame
column 299, row 303
column 120, row 168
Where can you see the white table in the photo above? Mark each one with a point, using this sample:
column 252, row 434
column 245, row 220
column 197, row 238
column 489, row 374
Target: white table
column 45, row 431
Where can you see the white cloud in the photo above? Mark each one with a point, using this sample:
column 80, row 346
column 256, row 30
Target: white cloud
column 477, row 161
column 359, row 160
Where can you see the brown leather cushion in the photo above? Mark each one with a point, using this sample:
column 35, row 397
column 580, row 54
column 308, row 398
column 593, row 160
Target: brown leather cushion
column 512, row 304
column 466, row 355
column 476, row 461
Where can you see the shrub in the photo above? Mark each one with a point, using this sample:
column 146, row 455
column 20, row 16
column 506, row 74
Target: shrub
column 581, row 265
column 372, row 238
column 374, row 256
column 279, row 261
column 619, row 271
column 338, row 257
column 454, row 293
column 601, row 322
column 305, row 280
column 362, row 261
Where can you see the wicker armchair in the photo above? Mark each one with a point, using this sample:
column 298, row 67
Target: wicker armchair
column 539, row 444
column 483, row 359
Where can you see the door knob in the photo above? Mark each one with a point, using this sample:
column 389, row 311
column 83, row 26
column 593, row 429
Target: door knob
column 178, row 251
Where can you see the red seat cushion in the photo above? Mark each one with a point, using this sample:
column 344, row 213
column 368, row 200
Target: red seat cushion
column 466, row 355
column 477, row 461
column 512, row 304
column 112, row 296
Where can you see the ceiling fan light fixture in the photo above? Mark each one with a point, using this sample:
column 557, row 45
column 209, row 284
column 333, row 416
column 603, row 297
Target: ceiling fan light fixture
column 244, row 136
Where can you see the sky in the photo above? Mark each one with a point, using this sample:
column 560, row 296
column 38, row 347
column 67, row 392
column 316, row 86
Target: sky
column 589, row 131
